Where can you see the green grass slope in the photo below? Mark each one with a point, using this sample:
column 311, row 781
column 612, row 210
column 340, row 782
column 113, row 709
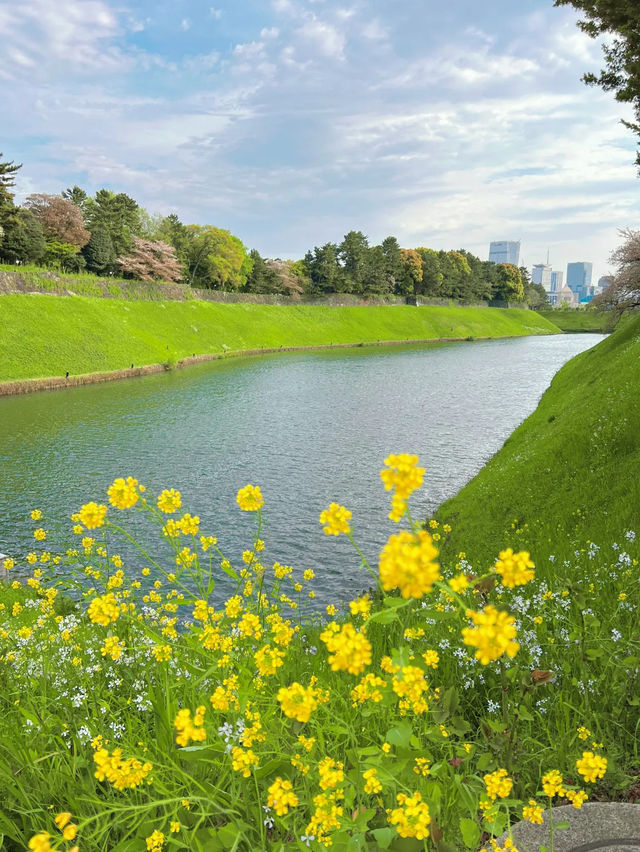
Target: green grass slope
column 580, row 319
column 43, row 335
column 570, row 474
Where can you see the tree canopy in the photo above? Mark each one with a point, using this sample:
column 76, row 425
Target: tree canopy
column 621, row 74
column 624, row 291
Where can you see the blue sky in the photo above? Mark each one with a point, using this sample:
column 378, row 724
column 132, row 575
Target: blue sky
column 290, row 122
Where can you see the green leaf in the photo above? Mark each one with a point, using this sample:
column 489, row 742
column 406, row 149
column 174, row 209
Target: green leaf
column 484, row 762
column 470, row 832
column 562, row 826
column 383, row 837
column 383, row 616
column 595, row 653
column 524, row 714
column 271, row 766
column 401, row 735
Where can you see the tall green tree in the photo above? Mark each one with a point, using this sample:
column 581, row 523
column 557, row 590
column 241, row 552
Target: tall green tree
column 376, row 281
column 216, row 258
column 323, row 269
column 509, row 287
column 118, row 214
column 263, row 278
column 8, row 171
column 621, row 74
column 353, row 254
column 99, row 254
column 410, row 284
column 392, row 263
column 76, row 195
column 23, row 239
column 432, row 276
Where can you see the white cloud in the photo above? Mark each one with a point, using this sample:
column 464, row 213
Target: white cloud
column 185, row 24
column 270, row 32
column 70, row 35
column 216, row 14
column 326, row 38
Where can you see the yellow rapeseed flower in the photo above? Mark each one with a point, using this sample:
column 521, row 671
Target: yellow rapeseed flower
column 493, row 634
column 407, row 563
column 533, row 812
column 591, row 766
column 123, row 493
column 297, row 702
column 336, row 520
column 250, row 498
column 372, row 782
column 498, row 784
column 411, row 818
column 349, row 649
column 281, row 796
column 169, row 500
column 515, row 569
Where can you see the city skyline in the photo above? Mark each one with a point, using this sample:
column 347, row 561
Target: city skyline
column 292, row 122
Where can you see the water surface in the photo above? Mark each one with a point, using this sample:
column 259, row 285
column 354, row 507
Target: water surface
column 309, row 428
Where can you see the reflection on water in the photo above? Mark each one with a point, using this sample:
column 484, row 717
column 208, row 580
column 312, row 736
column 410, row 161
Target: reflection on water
column 308, row 428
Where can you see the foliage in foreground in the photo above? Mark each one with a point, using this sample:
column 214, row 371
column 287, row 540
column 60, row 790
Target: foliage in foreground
column 428, row 715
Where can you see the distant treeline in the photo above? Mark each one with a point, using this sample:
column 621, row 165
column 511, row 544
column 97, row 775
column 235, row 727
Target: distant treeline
column 110, row 233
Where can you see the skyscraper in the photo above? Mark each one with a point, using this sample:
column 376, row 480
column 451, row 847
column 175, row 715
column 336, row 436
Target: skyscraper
column 557, row 280
column 541, row 274
column 579, row 278
column 505, row 252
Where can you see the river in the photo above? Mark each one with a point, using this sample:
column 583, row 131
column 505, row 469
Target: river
column 309, row 428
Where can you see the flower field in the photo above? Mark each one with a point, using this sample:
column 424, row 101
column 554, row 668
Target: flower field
column 143, row 711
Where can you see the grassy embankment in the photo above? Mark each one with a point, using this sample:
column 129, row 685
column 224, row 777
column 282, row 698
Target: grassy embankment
column 364, row 732
column 570, row 474
column 42, row 335
column 580, row 320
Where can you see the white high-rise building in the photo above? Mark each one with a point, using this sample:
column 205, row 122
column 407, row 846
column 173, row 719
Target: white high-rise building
column 557, row 281
column 505, row 252
column 541, row 274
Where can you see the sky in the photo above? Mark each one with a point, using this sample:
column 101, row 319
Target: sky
column 291, row 122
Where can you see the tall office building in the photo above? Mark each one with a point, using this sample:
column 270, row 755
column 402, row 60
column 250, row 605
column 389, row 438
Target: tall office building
column 541, row 274
column 505, row 252
column 557, row 281
column 579, row 279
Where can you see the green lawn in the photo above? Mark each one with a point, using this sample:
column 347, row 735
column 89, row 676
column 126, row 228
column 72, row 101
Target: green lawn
column 580, row 319
column 45, row 335
column 570, row 474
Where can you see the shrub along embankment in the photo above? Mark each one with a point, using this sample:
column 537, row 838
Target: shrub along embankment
column 47, row 336
column 570, row 474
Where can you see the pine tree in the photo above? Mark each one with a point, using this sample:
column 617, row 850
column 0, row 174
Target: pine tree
column 99, row 252
column 7, row 180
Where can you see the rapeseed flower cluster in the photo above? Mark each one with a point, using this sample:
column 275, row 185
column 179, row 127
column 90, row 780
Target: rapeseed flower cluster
column 297, row 701
column 493, row 634
column 498, row 784
column 123, row 773
column 407, row 563
column 411, row 818
column 403, row 476
column 104, row 609
column 124, row 493
column 349, row 649
column 250, row 498
column 281, row 796
column 515, row 569
column 591, row 766
column 381, row 732
column 190, row 728
column 336, row 520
